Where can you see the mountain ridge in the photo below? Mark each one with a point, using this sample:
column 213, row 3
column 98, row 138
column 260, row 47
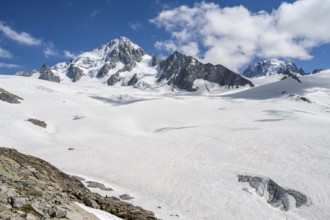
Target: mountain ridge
column 122, row 62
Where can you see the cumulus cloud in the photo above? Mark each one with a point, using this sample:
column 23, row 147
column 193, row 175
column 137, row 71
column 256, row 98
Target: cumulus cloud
column 5, row 53
column 68, row 54
column 21, row 38
column 233, row 36
column 8, row 65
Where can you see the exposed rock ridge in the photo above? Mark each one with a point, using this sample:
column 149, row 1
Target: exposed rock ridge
column 31, row 188
column 277, row 196
column 9, row 97
column 181, row 71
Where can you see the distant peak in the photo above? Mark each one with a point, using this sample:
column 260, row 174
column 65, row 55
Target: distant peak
column 271, row 66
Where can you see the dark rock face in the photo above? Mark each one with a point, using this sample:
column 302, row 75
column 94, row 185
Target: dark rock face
column 125, row 51
column 103, row 71
column 128, row 67
column 133, row 80
column 31, row 188
column 47, row 74
column 154, row 60
column 74, row 73
column 278, row 196
column 9, row 97
column 271, row 66
column 294, row 76
column 317, row 71
column 113, row 79
column 181, row 71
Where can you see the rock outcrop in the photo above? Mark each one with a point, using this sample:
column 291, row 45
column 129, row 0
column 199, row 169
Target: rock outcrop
column 31, row 188
column 277, row 196
column 37, row 122
column 133, row 80
column 74, row 73
column 47, row 74
column 181, row 71
column 154, row 60
column 9, row 97
column 104, row 70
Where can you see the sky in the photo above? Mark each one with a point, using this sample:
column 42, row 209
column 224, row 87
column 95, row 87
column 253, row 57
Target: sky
column 234, row 33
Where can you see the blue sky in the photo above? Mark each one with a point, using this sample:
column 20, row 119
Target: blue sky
column 35, row 32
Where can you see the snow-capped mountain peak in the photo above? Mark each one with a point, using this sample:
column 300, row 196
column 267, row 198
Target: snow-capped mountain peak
column 120, row 55
column 271, row 66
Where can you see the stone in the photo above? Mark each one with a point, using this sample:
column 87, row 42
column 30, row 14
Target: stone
column 91, row 203
column 126, row 197
column 18, row 202
column 93, row 184
column 38, row 122
column 55, row 212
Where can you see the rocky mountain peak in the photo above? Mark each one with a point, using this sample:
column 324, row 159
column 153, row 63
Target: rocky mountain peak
column 181, row 71
column 120, row 49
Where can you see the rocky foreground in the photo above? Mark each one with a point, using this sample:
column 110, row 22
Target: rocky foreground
column 31, row 188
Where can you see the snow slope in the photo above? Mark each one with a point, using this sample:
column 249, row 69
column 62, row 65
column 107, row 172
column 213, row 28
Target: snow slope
column 181, row 151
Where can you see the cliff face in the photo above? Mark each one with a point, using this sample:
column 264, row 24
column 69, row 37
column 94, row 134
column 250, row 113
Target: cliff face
column 31, row 188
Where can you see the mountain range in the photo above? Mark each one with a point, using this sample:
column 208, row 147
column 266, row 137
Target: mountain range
column 121, row 62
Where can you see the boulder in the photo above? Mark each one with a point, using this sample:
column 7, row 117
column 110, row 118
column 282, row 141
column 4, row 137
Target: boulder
column 18, row 202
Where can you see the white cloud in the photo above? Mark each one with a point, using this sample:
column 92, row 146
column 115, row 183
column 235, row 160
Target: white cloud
column 8, row 65
column 233, row 36
column 50, row 50
column 94, row 13
column 135, row 26
column 5, row 53
column 68, row 54
column 22, row 38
